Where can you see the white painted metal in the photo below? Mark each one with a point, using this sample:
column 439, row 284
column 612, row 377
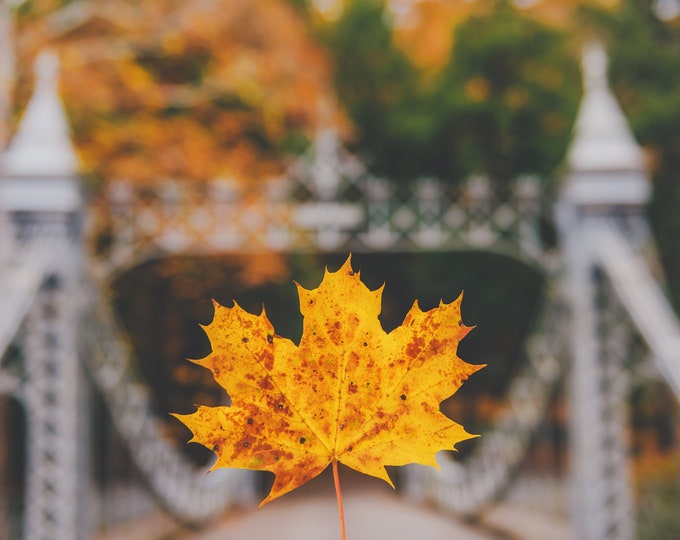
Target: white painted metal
column 366, row 214
column 42, row 144
column 39, row 201
column 590, row 419
column 178, row 484
column 470, row 487
column 50, row 395
column 20, row 281
column 606, row 178
column 640, row 293
column 604, row 161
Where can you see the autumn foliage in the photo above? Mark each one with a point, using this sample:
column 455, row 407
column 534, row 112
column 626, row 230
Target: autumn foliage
column 348, row 393
column 187, row 90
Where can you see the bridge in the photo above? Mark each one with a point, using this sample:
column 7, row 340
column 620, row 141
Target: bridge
column 64, row 353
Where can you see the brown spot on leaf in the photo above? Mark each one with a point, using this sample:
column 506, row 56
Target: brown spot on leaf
column 435, row 345
column 267, row 359
column 414, row 348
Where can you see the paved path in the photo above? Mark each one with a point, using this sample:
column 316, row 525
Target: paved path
column 368, row 516
column 373, row 511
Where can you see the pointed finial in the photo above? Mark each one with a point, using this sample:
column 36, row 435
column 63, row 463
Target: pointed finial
column 606, row 165
column 42, row 143
column 46, row 68
column 39, row 169
column 594, row 65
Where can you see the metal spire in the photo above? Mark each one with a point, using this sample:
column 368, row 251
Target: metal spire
column 605, row 163
column 40, row 168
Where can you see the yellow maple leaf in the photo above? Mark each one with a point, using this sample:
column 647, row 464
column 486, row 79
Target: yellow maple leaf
column 348, row 393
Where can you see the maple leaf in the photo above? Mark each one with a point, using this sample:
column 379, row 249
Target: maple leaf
column 348, row 393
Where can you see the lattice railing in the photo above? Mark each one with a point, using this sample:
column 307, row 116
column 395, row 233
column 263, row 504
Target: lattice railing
column 184, row 490
column 20, row 279
column 38, row 314
column 468, row 487
column 131, row 223
column 639, row 292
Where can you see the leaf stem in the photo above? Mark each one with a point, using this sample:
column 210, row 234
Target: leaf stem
column 338, row 494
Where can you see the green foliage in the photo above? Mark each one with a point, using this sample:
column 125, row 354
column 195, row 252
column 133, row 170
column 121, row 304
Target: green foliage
column 659, row 518
column 507, row 98
column 502, row 106
column 379, row 88
column 658, row 490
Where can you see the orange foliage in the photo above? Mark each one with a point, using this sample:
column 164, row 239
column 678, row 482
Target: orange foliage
column 190, row 90
column 558, row 13
column 428, row 36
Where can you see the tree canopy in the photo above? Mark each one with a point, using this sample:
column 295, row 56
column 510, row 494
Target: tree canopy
column 502, row 105
column 189, row 90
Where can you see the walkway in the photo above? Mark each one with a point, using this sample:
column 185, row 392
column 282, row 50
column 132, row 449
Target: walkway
column 372, row 511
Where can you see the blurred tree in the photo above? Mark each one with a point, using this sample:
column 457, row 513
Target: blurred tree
column 644, row 52
column 506, row 99
column 191, row 90
column 380, row 89
column 502, row 104
column 173, row 90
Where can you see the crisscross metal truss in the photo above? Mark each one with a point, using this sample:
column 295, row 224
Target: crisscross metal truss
column 326, row 202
